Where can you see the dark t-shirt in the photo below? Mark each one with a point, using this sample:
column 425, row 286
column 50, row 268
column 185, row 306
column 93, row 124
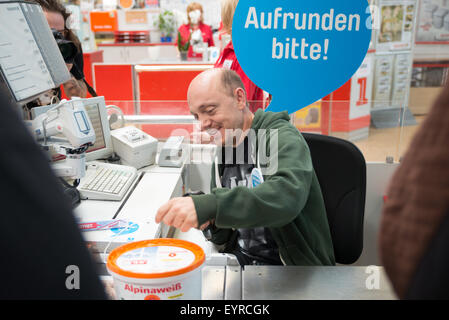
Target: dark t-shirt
column 253, row 245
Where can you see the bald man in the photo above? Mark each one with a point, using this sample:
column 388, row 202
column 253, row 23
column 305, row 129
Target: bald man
column 265, row 204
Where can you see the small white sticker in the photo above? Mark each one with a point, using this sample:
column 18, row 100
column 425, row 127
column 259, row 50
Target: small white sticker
column 227, row 64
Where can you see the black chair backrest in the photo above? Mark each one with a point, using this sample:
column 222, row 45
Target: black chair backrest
column 341, row 171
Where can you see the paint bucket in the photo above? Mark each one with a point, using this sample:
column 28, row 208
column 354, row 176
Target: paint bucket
column 158, row 269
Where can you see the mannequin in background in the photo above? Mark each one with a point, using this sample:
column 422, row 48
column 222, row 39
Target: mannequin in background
column 195, row 30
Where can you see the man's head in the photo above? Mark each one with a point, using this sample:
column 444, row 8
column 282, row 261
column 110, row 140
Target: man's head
column 217, row 98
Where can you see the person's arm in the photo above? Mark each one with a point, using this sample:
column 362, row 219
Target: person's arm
column 273, row 203
column 75, row 88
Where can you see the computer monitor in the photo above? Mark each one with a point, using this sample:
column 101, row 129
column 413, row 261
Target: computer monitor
column 102, row 148
column 30, row 60
column 96, row 109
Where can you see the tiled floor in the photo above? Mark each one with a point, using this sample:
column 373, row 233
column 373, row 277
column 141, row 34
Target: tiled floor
column 393, row 142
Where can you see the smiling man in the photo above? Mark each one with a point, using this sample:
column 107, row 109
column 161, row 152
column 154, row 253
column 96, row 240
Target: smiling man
column 264, row 217
column 222, row 113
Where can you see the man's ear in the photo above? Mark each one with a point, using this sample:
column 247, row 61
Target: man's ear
column 240, row 95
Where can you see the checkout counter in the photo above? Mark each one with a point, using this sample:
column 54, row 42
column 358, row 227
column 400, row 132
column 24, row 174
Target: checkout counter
column 222, row 277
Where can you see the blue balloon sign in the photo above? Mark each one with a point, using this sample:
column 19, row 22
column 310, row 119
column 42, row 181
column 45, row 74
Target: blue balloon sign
column 300, row 51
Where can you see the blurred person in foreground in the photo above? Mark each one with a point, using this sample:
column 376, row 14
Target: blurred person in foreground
column 414, row 234
column 44, row 255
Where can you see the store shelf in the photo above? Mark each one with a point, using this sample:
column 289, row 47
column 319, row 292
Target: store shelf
column 431, row 51
column 141, row 37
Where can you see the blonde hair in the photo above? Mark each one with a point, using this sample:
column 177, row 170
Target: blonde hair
column 227, row 14
column 192, row 7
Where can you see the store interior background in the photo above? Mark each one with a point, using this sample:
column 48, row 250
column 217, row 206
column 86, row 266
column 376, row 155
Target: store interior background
column 129, row 61
column 380, row 109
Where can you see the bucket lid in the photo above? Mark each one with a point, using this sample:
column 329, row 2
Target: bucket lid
column 157, row 258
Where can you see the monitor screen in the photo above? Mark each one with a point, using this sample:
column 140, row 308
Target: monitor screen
column 30, row 60
column 93, row 111
column 102, row 148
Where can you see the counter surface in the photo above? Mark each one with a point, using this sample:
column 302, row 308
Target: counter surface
column 311, row 283
column 290, row 283
column 222, row 281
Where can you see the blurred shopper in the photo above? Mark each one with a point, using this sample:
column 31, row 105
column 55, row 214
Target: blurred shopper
column 195, row 31
column 414, row 235
column 43, row 253
column 228, row 58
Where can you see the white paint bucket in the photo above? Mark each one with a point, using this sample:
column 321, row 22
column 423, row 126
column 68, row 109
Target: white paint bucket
column 159, row 269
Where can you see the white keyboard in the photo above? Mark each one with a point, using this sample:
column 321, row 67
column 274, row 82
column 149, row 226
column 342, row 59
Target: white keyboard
column 105, row 181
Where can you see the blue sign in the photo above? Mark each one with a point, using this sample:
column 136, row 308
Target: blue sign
column 300, row 51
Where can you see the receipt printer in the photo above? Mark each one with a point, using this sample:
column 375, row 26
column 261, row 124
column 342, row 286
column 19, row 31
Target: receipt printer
column 135, row 147
column 172, row 154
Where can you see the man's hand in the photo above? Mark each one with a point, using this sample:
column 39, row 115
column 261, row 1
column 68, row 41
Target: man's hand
column 75, row 88
column 179, row 213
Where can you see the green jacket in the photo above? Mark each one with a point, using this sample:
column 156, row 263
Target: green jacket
column 288, row 202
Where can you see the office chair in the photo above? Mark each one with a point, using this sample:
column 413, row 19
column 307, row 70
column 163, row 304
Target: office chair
column 341, row 171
